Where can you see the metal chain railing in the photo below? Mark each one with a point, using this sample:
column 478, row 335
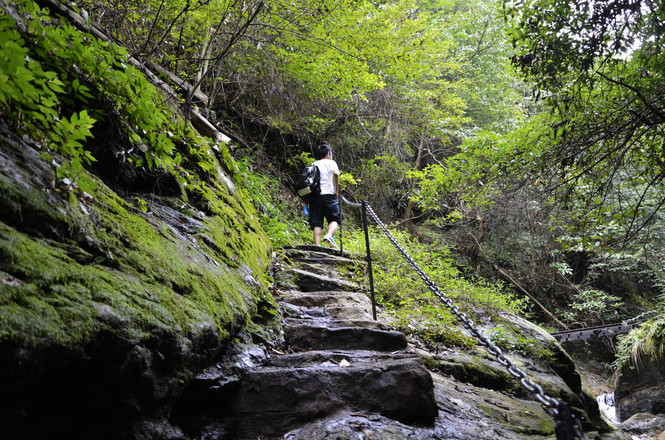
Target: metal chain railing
column 568, row 425
column 641, row 317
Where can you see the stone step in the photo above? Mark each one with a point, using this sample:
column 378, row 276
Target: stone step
column 320, row 358
column 276, row 399
column 319, row 254
column 328, row 298
column 331, row 322
column 335, row 305
column 326, row 314
column 303, row 337
column 308, row 281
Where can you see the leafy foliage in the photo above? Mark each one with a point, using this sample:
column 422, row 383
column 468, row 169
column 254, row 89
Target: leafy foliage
column 278, row 214
column 593, row 306
column 404, row 296
column 62, row 83
column 589, row 170
column 646, row 340
column 487, row 165
column 597, row 72
column 396, row 79
column 30, row 95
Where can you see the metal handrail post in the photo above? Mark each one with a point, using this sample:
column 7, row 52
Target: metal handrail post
column 341, row 220
column 369, row 258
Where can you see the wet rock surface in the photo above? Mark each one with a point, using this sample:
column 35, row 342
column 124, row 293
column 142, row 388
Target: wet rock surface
column 641, row 389
column 334, row 360
column 632, row 399
column 644, row 423
column 341, row 375
column 108, row 310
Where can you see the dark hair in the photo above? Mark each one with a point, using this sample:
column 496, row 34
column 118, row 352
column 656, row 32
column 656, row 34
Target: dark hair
column 322, row 151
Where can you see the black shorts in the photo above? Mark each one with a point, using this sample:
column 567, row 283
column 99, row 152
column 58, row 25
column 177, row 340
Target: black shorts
column 325, row 206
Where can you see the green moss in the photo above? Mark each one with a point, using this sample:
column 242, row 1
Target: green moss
column 508, row 337
column 520, row 416
column 474, row 369
column 150, row 275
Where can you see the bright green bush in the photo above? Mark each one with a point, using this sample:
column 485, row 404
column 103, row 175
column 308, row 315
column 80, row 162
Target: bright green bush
column 407, row 300
column 57, row 83
column 280, row 216
column 593, row 305
column 647, row 340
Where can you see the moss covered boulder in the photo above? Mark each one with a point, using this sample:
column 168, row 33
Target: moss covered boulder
column 110, row 301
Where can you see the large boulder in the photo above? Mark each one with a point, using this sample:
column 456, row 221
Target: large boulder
column 641, row 389
column 107, row 308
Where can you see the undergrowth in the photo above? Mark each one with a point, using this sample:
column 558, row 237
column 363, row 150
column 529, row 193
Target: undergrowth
column 58, row 83
column 413, row 308
column 645, row 342
column 280, row 215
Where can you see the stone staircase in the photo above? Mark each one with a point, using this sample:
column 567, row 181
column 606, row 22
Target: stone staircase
column 339, row 375
column 335, row 360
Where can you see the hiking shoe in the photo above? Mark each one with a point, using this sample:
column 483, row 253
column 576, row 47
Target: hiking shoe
column 330, row 241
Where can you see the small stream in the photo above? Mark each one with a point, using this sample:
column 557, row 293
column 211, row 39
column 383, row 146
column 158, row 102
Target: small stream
column 607, row 406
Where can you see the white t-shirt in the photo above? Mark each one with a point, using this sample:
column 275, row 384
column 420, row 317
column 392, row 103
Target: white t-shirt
column 327, row 167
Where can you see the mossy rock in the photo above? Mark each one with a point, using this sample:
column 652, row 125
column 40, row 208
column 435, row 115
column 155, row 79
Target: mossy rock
column 100, row 295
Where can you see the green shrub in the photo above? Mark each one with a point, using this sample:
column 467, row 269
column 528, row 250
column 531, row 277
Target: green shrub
column 647, row 340
column 57, row 83
column 280, row 216
column 593, row 305
column 407, row 300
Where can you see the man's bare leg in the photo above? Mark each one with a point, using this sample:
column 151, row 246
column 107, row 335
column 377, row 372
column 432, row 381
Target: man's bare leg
column 317, row 235
column 329, row 238
column 332, row 229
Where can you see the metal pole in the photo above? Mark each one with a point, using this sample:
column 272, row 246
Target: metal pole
column 341, row 220
column 369, row 258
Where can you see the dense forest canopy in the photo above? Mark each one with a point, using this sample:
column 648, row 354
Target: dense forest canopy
column 526, row 142
column 598, row 71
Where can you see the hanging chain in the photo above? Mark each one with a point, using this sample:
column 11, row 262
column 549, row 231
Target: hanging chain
column 639, row 317
column 557, row 409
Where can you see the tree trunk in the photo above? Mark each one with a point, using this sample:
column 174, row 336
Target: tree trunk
column 412, row 182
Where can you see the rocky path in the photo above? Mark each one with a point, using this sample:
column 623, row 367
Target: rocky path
column 337, row 359
column 340, row 375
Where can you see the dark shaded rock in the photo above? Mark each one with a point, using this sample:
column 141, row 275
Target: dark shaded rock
column 274, row 400
column 641, row 389
column 644, row 423
column 306, row 337
column 107, row 310
column 292, row 390
column 158, row 430
column 345, row 425
column 314, row 269
column 320, row 255
column 465, row 412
